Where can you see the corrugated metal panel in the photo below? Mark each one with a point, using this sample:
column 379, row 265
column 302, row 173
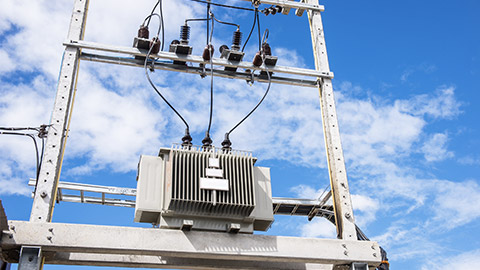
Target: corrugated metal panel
column 190, row 164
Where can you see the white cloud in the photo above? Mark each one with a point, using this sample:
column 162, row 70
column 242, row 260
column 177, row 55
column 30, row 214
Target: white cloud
column 469, row 160
column 365, row 209
column 307, row 192
column 441, row 105
column 466, row 260
column 434, row 149
column 6, row 63
column 455, row 204
column 318, row 227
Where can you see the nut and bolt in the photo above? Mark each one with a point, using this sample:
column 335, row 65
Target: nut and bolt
column 347, row 215
column 43, row 194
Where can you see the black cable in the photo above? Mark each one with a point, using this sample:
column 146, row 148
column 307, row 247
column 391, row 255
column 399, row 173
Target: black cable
column 17, row 128
column 34, row 142
column 258, row 104
column 259, row 35
column 208, row 18
column 211, row 84
column 153, row 11
column 251, row 30
column 222, row 5
column 163, row 24
column 227, row 23
column 160, row 20
column 158, row 92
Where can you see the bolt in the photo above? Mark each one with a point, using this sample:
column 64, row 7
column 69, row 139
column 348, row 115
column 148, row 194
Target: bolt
column 12, row 228
column 374, row 254
column 43, row 194
column 49, row 238
column 344, row 245
column 10, row 236
column 347, row 215
column 346, row 253
column 373, row 247
column 30, row 258
column 50, row 229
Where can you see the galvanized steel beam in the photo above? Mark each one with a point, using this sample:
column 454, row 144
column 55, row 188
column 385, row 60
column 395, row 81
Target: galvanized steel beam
column 236, row 248
column 44, row 197
column 342, row 202
column 131, row 51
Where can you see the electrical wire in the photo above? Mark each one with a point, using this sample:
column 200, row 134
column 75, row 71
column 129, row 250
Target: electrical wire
column 153, row 11
column 251, row 31
column 258, row 104
column 153, row 85
column 222, row 22
column 223, row 5
column 259, row 39
column 37, row 167
column 211, row 79
column 163, row 24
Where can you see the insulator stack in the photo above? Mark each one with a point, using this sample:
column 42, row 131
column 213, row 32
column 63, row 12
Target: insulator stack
column 184, row 34
column 237, row 39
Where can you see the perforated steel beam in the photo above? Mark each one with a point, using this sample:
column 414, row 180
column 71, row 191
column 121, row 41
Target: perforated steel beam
column 44, row 197
column 342, row 202
column 223, row 248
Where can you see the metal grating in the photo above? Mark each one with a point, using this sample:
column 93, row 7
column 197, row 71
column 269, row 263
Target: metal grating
column 188, row 165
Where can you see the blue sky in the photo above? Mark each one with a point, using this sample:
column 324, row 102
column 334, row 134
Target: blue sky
column 406, row 82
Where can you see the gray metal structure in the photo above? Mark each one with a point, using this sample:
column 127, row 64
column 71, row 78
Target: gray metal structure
column 40, row 241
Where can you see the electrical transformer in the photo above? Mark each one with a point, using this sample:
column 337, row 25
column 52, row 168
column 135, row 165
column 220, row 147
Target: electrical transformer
column 197, row 188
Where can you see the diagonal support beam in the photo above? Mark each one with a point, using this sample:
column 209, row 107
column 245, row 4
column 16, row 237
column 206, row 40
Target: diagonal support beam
column 44, row 197
column 342, row 202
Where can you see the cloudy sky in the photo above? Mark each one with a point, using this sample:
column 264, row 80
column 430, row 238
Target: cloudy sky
column 407, row 91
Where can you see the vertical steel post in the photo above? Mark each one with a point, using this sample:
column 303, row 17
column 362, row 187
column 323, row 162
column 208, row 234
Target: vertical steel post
column 44, row 197
column 342, row 202
column 30, row 258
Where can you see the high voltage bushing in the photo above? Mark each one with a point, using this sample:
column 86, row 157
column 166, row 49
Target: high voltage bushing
column 181, row 46
column 184, row 34
column 233, row 54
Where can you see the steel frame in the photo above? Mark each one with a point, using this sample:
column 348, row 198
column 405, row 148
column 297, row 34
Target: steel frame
column 132, row 247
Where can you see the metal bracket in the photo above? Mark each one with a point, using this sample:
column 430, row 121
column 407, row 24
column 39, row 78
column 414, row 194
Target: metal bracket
column 30, row 258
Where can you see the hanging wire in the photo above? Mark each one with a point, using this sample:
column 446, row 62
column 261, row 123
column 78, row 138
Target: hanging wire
column 223, row 5
column 163, row 24
column 211, row 79
column 37, row 154
column 153, row 11
column 187, row 133
column 259, row 39
column 258, row 104
column 251, row 31
column 222, row 22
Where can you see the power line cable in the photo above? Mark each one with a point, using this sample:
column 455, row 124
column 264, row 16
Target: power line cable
column 226, row 142
column 187, row 138
column 251, row 30
column 153, row 11
column 223, row 5
column 37, row 167
column 207, row 141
